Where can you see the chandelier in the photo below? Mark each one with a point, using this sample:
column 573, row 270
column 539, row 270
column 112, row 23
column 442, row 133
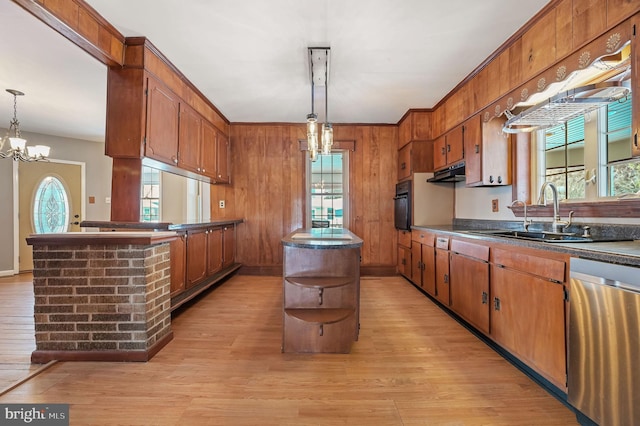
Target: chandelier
column 18, row 149
column 319, row 71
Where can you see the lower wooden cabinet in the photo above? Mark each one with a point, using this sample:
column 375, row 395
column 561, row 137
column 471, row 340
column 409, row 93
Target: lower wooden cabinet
column 228, row 246
column 442, row 292
column 469, row 282
column 423, row 260
column 404, row 253
column 214, row 251
column 196, row 256
column 513, row 295
column 178, row 259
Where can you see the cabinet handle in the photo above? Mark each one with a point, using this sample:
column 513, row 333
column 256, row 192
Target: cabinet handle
column 477, row 149
column 418, row 265
column 446, row 278
column 321, row 331
column 320, row 295
column 448, row 148
column 499, row 179
column 404, row 261
column 490, row 179
column 403, row 166
column 443, row 151
column 175, row 160
column 423, row 266
column 496, row 304
column 635, row 139
column 485, row 298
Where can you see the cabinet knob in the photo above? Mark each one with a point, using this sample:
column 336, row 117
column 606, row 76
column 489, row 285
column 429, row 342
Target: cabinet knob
column 175, row 160
column 477, row 149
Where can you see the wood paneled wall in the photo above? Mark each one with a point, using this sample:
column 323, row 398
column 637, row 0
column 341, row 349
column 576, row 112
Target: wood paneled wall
column 268, row 192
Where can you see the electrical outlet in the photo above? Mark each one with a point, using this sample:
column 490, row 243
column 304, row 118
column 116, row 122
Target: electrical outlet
column 221, row 204
column 107, row 200
column 494, row 205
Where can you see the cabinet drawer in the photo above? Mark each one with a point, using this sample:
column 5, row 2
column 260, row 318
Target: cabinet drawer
column 423, row 237
column 404, row 238
column 442, row 243
column 297, row 296
column 545, row 267
column 467, row 248
column 319, row 330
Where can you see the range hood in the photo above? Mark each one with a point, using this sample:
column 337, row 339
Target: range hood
column 454, row 173
column 566, row 106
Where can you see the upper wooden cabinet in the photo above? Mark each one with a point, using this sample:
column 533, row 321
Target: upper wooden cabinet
column 448, row 149
column 415, row 157
column 416, row 125
column 487, row 152
column 190, row 139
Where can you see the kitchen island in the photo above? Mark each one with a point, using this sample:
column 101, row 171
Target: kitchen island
column 321, row 290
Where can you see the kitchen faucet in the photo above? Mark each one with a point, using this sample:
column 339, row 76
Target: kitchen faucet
column 558, row 224
column 526, row 222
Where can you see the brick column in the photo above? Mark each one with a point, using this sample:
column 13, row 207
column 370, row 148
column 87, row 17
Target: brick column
column 102, row 296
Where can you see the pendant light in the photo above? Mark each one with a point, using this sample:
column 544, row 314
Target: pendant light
column 18, row 149
column 319, row 70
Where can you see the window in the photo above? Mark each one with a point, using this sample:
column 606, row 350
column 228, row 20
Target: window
column 150, row 198
column 50, row 206
column 564, row 158
column 589, row 157
column 623, row 173
column 327, row 190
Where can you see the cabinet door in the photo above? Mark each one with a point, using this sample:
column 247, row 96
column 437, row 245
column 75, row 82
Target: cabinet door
column 196, row 257
column 416, row 263
column 429, row 269
column 442, row 276
column 222, row 159
column 214, row 247
column 404, row 162
column 455, row 145
column 209, row 141
column 473, row 151
column 404, row 261
column 189, row 140
column 528, row 319
column 162, row 123
column 228, row 246
column 470, row 290
column 440, row 153
column 496, row 153
column 178, row 259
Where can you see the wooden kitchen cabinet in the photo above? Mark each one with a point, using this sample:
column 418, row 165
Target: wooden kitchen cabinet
column 415, row 126
column 528, row 309
column 228, row 245
column 161, row 140
column 442, row 290
column 208, row 150
column 404, row 253
column 223, row 174
column 448, row 149
column 214, row 250
column 487, row 152
column 415, row 157
column 423, row 260
column 178, row 259
column 469, row 282
column 196, row 256
column 190, row 139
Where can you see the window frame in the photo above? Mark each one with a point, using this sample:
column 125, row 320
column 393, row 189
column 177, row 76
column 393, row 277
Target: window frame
column 345, row 187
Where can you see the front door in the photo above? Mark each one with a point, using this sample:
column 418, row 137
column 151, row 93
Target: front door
column 47, row 189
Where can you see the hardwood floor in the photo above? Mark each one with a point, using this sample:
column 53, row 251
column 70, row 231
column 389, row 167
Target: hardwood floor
column 16, row 329
column 412, row 365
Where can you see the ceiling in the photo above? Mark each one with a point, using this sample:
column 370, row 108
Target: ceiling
column 249, row 57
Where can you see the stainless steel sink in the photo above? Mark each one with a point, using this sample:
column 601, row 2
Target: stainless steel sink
column 545, row 236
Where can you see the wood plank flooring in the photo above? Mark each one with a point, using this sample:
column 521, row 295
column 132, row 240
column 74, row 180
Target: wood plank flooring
column 16, row 328
column 413, row 365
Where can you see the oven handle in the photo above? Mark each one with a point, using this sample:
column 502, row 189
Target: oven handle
column 400, row 196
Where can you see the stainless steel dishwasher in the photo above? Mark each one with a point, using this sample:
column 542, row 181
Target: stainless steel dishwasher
column 604, row 342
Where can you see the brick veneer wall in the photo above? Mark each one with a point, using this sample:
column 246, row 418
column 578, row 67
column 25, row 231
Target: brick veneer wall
column 105, row 298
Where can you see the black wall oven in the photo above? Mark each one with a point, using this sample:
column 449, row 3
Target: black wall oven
column 402, row 205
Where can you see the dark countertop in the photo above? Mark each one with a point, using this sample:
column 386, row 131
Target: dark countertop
column 620, row 252
column 102, row 238
column 157, row 226
column 322, row 238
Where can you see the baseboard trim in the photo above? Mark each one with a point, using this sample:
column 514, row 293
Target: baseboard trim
column 42, row 357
